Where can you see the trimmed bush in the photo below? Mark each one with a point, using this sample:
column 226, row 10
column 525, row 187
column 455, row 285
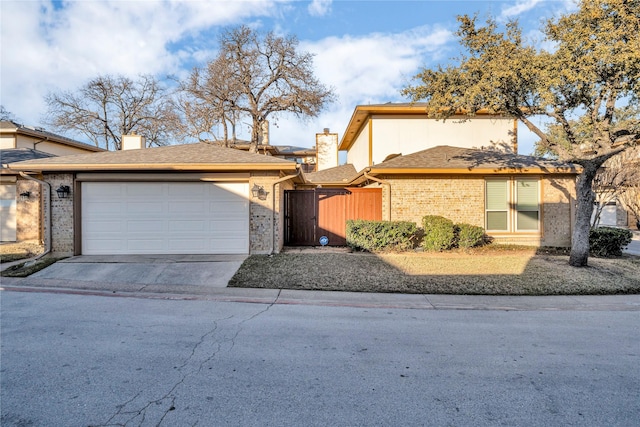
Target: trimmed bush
column 608, row 241
column 469, row 236
column 439, row 233
column 381, row 235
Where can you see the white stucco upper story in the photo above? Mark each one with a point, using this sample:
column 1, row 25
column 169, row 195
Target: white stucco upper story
column 375, row 132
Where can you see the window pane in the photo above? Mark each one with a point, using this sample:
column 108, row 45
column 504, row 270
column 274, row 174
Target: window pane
column 496, row 221
column 496, row 195
column 527, row 220
column 527, row 195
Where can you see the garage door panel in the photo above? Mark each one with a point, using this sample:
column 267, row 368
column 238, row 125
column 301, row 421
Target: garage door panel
column 155, row 226
column 155, row 218
column 187, row 226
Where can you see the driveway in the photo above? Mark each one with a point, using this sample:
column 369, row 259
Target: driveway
column 634, row 246
column 163, row 272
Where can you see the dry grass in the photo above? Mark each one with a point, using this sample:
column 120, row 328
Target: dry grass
column 497, row 271
column 21, row 250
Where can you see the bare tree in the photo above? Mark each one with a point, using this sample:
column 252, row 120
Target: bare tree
column 107, row 107
column 630, row 199
column 5, row 114
column 256, row 76
column 614, row 178
column 206, row 99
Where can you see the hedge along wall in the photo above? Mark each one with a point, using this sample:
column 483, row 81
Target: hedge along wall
column 461, row 199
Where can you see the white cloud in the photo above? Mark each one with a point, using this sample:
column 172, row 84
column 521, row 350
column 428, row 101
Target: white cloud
column 319, row 7
column 45, row 48
column 520, row 7
column 363, row 70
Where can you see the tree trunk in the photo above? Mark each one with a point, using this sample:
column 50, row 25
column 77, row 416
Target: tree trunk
column 255, row 135
column 580, row 238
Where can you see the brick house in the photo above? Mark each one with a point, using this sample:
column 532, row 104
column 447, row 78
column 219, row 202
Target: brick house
column 181, row 199
column 474, row 177
column 21, row 200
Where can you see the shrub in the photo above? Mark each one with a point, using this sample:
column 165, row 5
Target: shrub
column 469, row 236
column 439, row 233
column 608, row 241
column 381, row 235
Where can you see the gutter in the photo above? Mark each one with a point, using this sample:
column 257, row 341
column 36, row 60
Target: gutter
column 386, row 184
column 46, row 194
column 273, row 204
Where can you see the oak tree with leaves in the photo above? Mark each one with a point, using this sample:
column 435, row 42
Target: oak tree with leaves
column 584, row 84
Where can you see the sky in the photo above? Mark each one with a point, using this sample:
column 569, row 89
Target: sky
column 367, row 51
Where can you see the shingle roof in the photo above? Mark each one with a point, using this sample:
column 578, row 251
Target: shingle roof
column 339, row 174
column 445, row 159
column 12, row 155
column 200, row 156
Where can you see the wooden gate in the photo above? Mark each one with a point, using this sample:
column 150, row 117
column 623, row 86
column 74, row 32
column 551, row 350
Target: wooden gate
column 310, row 214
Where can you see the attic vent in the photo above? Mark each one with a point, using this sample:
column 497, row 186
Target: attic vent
column 392, row 156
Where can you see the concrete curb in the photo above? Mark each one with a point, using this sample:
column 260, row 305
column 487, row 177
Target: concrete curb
column 331, row 298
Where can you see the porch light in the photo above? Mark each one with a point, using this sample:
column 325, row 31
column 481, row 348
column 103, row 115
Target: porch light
column 63, row 191
column 25, row 196
column 258, row 191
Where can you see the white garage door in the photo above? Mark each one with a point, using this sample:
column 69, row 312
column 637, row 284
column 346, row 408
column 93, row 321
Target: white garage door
column 165, row 218
column 8, row 212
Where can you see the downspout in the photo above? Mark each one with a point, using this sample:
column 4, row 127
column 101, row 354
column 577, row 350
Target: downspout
column 47, row 187
column 273, row 204
column 387, row 185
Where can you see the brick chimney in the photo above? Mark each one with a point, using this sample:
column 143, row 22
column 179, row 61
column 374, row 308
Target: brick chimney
column 326, row 150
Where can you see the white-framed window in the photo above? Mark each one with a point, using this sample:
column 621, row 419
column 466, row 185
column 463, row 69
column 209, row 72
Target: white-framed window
column 512, row 204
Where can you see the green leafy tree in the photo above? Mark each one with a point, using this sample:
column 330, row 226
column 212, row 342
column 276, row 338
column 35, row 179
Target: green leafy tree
column 591, row 72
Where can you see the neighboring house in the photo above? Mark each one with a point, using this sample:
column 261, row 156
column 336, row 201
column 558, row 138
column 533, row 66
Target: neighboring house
column 181, row 199
column 20, row 198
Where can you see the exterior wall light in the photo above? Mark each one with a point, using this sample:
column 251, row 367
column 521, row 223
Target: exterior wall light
column 25, row 196
column 63, row 191
column 258, row 191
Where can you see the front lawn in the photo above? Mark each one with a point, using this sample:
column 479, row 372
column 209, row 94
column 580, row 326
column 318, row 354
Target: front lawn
column 498, row 271
column 20, row 250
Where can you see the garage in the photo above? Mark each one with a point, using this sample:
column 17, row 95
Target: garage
column 164, row 218
column 8, row 212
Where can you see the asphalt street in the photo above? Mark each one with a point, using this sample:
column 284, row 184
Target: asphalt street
column 83, row 360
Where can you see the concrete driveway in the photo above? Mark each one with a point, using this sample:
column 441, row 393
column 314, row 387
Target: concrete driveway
column 634, row 246
column 164, row 272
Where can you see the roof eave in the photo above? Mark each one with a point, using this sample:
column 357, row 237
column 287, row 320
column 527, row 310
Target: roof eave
column 153, row 167
column 475, row 171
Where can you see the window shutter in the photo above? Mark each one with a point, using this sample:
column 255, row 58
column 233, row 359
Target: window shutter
column 497, row 195
column 527, row 195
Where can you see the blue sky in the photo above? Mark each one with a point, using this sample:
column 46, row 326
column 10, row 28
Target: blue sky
column 366, row 50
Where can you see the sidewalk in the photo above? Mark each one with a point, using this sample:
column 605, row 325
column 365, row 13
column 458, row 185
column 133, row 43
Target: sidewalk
column 326, row 298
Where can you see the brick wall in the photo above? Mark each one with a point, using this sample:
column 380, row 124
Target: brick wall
column 28, row 213
column 262, row 214
column 461, row 199
column 61, row 215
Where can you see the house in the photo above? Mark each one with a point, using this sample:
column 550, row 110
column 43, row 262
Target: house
column 20, row 198
column 376, row 132
column 466, row 171
column 181, row 199
column 207, row 199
